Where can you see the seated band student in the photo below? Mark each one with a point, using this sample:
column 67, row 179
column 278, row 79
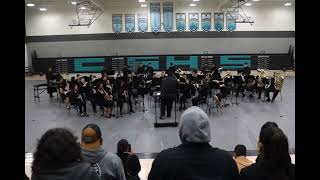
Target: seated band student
column 131, row 164
column 64, row 91
column 185, row 91
column 275, row 162
column 203, row 93
column 58, row 157
column 77, row 99
column 149, row 69
column 107, row 164
column 195, row 158
column 240, row 153
column 109, row 98
column 50, row 78
column 140, row 69
column 103, row 100
column 124, row 96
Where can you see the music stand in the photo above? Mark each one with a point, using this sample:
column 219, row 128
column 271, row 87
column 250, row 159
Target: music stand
column 237, row 80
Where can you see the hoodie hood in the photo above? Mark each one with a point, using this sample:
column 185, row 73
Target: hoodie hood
column 93, row 156
column 194, row 126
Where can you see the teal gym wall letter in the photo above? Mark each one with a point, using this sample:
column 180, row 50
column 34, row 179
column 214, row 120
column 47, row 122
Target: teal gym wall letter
column 88, row 64
column 234, row 62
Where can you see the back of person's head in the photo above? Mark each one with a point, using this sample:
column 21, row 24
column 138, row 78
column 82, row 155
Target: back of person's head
column 275, row 146
column 170, row 73
column 269, row 124
column 122, row 147
column 91, row 137
column 133, row 166
column 194, row 126
column 56, row 148
column 240, row 150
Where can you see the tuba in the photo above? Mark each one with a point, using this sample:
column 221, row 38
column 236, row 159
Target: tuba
column 278, row 81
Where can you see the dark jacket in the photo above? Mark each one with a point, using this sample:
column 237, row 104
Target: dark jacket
column 169, row 87
column 78, row 170
column 265, row 169
column 194, row 161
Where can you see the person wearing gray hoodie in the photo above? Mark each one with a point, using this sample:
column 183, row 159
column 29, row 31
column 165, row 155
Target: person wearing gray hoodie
column 107, row 165
column 195, row 158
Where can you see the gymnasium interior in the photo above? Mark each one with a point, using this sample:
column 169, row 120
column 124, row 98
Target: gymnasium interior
column 87, row 37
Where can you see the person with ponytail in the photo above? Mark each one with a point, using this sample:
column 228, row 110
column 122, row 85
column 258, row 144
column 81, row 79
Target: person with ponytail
column 130, row 161
column 275, row 163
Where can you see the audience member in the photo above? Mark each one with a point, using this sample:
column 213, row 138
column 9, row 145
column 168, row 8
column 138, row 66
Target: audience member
column 58, row 157
column 133, row 167
column 107, row 164
column 275, row 162
column 124, row 152
column 264, row 126
column 240, row 153
column 195, row 158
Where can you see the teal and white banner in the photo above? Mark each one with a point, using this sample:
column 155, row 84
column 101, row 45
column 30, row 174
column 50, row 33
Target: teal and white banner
column 219, row 21
column 168, row 16
column 181, row 22
column 206, row 21
column 155, row 17
column 231, row 18
column 143, row 22
column 130, row 23
column 193, row 22
column 117, row 23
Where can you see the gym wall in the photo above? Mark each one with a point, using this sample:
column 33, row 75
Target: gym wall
column 50, row 36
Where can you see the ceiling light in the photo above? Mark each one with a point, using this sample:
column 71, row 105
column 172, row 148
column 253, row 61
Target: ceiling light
column 287, row 4
column 196, row 0
column 30, row 5
column 42, row 9
column 192, row 4
column 142, row 0
column 83, row 8
column 143, row 5
column 248, row 4
column 74, row 3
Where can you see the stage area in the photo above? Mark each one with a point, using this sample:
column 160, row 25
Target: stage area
column 238, row 124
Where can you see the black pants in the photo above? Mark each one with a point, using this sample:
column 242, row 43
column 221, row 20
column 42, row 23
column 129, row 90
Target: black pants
column 93, row 103
column 272, row 89
column 196, row 100
column 166, row 103
column 121, row 100
column 81, row 105
column 239, row 88
column 259, row 91
column 183, row 100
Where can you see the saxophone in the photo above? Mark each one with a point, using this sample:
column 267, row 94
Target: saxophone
column 278, row 81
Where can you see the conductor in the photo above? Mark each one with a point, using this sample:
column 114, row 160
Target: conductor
column 168, row 94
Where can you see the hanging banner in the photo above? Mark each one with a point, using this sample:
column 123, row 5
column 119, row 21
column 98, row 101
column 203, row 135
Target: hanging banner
column 130, row 23
column 155, row 17
column 117, row 23
column 168, row 16
column 206, row 21
column 143, row 22
column 231, row 18
column 193, row 22
column 181, row 22
column 219, row 21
